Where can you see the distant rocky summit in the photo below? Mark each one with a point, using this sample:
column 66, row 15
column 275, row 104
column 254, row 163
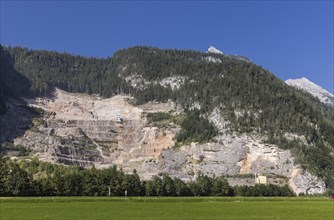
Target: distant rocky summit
column 212, row 49
column 312, row 88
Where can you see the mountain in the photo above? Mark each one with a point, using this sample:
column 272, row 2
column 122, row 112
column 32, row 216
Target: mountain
column 165, row 111
column 212, row 49
column 312, row 88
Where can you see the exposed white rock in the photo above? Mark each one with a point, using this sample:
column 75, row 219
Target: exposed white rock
column 264, row 158
column 195, row 105
column 137, row 81
column 304, row 182
column 83, row 130
column 213, row 59
column 312, row 88
column 291, row 137
column 269, row 159
column 217, row 120
column 219, row 158
column 212, row 49
column 76, row 121
column 175, row 82
column 70, row 106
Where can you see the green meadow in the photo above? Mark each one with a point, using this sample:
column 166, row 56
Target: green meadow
column 205, row 208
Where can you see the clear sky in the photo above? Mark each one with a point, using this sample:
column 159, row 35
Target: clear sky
column 290, row 38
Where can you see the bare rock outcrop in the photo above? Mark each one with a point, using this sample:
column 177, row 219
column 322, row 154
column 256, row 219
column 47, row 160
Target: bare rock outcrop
column 87, row 130
column 302, row 181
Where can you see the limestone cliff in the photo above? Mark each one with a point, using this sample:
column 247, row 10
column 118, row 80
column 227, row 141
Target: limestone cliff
column 85, row 130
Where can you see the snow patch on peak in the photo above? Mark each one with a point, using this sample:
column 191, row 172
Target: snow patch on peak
column 214, row 50
column 312, row 88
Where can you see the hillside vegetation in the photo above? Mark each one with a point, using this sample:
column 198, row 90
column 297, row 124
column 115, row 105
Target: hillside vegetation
column 37, row 178
column 251, row 98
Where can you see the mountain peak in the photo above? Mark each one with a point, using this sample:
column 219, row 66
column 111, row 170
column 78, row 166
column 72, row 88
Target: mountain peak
column 212, row 49
column 312, row 88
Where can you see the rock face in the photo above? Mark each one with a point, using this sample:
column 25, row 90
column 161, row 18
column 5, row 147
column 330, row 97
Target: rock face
column 209, row 159
column 233, row 156
column 212, row 49
column 304, row 182
column 86, row 130
column 312, row 88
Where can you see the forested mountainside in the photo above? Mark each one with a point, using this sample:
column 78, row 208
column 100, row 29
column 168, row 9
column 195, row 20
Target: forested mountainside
column 250, row 98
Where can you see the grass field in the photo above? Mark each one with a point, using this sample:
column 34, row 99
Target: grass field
column 205, row 208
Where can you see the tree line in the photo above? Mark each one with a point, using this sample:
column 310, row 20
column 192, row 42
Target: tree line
column 37, row 178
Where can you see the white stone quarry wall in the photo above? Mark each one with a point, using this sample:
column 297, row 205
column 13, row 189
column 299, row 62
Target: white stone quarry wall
column 90, row 122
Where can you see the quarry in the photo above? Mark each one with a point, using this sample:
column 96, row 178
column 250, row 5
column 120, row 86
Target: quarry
column 87, row 130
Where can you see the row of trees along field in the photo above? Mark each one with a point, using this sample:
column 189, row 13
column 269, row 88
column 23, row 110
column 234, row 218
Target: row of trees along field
column 247, row 95
column 37, row 178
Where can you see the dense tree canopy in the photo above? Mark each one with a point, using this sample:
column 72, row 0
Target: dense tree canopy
column 16, row 179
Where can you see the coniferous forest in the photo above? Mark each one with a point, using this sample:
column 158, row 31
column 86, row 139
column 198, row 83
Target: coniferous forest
column 16, row 179
column 267, row 105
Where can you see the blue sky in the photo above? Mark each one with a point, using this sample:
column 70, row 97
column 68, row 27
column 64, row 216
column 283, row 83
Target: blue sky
column 290, row 38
